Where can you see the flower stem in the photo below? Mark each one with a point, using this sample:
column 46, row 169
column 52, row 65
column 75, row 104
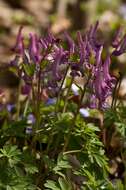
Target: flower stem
column 18, row 102
column 59, row 94
column 116, row 91
column 75, row 117
column 67, row 95
column 26, row 107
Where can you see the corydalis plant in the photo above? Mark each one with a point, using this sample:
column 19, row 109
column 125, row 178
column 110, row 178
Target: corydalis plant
column 44, row 61
column 44, row 65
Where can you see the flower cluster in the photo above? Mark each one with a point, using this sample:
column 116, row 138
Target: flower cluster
column 44, row 60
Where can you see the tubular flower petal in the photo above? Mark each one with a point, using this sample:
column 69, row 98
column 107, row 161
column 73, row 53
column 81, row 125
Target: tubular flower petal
column 46, row 58
column 19, row 46
column 34, row 49
column 117, row 38
column 82, row 48
column 121, row 48
column 70, row 43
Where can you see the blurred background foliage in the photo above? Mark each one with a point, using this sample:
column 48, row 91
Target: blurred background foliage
column 59, row 15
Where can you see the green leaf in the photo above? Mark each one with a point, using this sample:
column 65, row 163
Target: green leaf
column 62, row 161
column 10, row 151
column 12, row 154
column 74, row 57
column 9, row 188
column 51, row 185
column 119, row 185
column 29, row 168
column 44, row 64
column 92, row 127
column 64, row 184
column 121, row 127
column 29, row 69
column 47, row 109
column 49, row 162
column 15, row 128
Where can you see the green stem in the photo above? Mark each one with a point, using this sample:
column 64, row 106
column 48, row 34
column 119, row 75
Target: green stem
column 67, row 95
column 49, row 143
column 71, row 152
column 18, row 102
column 75, row 117
column 26, row 107
column 38, row 100
column 33, row 97
column 37, row 110
column 82, row 96
column 115, row 92
column 58, row 98
column 56, row 108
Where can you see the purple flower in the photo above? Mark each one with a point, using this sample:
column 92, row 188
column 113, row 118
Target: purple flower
column 117, row 38
column 27, row 79
column 82, row 57
column 121, row 48
column 19, row 46
column 107, row 78
column 93, row 30
column 10, row 107
column 57, row 61
column 99, row 84
column 25, row 90
column 54, row 70
column 92, row 37
column 93, row 103
column 34, row 48
column 70, row 43
column 15, row 61
column 98, row 57
column 43, row 44
column 82, row 48
column 103, row 82
column 48, row 41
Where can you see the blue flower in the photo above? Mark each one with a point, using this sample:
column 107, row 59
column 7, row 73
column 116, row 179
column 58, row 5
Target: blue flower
column 31, row 119
column 50, row 101
column 84, row 112
column 10, row 107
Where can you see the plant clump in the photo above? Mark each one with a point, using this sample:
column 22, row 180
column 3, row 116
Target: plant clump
column 50, row 137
